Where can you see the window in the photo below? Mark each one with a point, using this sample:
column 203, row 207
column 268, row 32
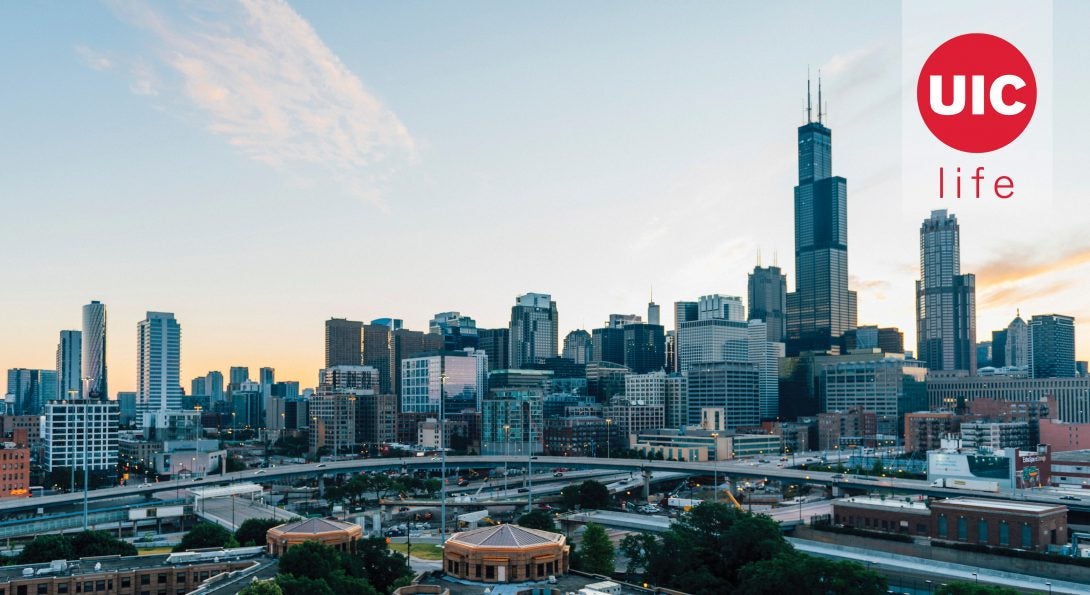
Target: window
column 180, row 578
column 145, row 579
column 1004, row 533
column 982, row 531
column 963, row 529
column 942, row 525
column 43, row 588
column 162, row 578
column 1027, row 537
column 126, row 581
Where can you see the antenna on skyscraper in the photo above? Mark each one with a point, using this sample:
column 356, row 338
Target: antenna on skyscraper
column 809, row 117
column 820, row 121
column 775, row 258
column 758, row 257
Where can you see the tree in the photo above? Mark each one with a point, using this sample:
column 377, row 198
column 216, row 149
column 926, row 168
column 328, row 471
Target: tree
column 311, row 560
column 301, row 585
column 794, row 572
column 593, row 495
column 46, row 548
column 382, row 567
column 640, row 549
column 204, row 535
column 100, row 543
column 252, row 531
column 537, row 519
column 595, row 551
column 262, row 588
column 967, row 588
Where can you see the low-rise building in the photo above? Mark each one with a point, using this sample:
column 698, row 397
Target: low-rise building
column 14, row 470
column 505, row 554
column 333, row 533
column 907, row 515
column 999, row 523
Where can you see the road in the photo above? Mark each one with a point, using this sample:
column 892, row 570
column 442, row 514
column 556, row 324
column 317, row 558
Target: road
column 739, row 469
column 231, row 512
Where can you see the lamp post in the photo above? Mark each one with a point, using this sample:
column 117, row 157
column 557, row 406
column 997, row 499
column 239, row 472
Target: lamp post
column 72, row 484
column 86, row 405
column 609, row 437
column 442, row 458
column 976, row 578
column 1049, row 585
column 715, row 465
column 507, row 451
column 529, row 463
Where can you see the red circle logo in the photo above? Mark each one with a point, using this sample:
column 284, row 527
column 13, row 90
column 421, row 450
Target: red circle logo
column 976, row 93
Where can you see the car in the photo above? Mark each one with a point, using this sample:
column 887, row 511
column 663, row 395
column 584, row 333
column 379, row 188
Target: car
column 259, row 472
column 558, row 474
column 533, row 458
column 1070, row 498
column 321, row 465
column 403, row 509
column 197, row 478
column 524, row 490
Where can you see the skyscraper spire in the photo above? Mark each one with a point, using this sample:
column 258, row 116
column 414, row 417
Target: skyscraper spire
column 819, row 97
column 809, row 111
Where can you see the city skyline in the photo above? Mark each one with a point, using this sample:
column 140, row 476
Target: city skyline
column 243, row 272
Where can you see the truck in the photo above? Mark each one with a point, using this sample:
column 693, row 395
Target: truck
column 966, row 484
column 683, row 503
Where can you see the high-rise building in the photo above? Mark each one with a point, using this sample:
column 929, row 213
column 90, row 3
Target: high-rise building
column 889, row 388
column 984, row 354
column 238, row 375
column 408, row 344
column 457, row 376
column 654, row 313
column 945, row 299
column 377, row 352
column 81, row 433
column 458, row 331
column 354, row 380
column 721, row 307
column 267, row 376
column 497, row 344
column 93, row 356
column 343, row 342
column 30, row 389
column 887, row 340
column 333, row 422
column 534, row 329
column 712, row 340
column 512, row 423
column 213, row 386
column 768, row 300
column 69, row 378
column 578, row 346
column 683, row 312
column 394, row 324
column 821, row 308
column 765, row 355
column 999, row 348
column 644, row 347
column 158, row 358
column 1016, row 349
column 607, row 345
column 1051, row 346
column 732, row 387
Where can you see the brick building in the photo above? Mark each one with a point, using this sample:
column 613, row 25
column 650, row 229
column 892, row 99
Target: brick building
column 505, row 553
column 847, row 429
column 909, row 516
column 1019, row 525
column 14, row 471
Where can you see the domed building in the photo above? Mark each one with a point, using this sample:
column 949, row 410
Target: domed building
column 342, row 536
column 506, row 554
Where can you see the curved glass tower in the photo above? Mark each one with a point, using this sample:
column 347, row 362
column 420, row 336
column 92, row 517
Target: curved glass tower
column 94, row 350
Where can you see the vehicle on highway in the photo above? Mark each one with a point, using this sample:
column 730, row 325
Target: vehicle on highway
column 1070, row 498
column 524, row 490
column 558, row 474
column 966, row 484
column 259, row 472
column 462, row 482
column 321, row 465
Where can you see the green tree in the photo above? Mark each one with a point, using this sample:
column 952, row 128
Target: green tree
column 794, row 572
column 203, row 535
column 100, row 543
column 593, row 495
column 537, row 519
column 46, row 548
column 311, row 560
column 268, row 587
column 382, row 567
column 595, row 551
column 301, row 585
column 252, row 531
column 640, row 549
column 967, row 588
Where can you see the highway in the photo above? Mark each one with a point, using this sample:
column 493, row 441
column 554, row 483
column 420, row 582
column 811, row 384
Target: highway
column 736, row 469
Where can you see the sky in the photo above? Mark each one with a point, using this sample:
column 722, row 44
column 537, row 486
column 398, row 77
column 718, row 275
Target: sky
column 258, row 167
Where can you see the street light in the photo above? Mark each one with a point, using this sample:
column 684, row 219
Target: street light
column 442, row 458
column 609, row 436
column 715, row 464
column 507, row 450
column 1049, row 585
column 976, row 579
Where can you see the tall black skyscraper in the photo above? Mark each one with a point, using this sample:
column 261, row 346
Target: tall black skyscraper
column 821, row 308
column 1052, row 346
column 768, row 300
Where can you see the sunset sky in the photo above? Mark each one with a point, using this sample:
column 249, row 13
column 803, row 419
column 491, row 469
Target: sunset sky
column 257, row 167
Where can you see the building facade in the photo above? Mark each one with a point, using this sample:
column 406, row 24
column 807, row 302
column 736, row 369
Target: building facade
column 158, row 358
column 733, row 387
column 93, row 355
column 890, row 388
column 534, row 329
column 768, row 301
column 79, row 433
column 1051, row 346
column 945, row 299
column 69, row 377
column 512, row 422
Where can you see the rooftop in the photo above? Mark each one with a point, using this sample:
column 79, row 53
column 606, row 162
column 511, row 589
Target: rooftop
column 506, row 536
column 1072, row 455
column 1008, row 505
column 315, row 526
column 86, row 566
column 898, row 503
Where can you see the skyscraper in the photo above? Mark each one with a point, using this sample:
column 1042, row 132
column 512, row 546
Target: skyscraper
column 534, row 329
column 607, row 345
column 458, row 331
column 999, row 348
column 644, row 347
column 578, row 346
column 158, row 358
column 267, row 376
column 1052, row 346
column 93, row 364
column 496, row 342
column 377, row 351
column 821, row 308
column 945, row 299
column 1016, row 349
column 343, row 342
column 654, row 312
column 768, row 300
column 31, row 389
column 683, row 312
column 239, row 375
column 69, row 378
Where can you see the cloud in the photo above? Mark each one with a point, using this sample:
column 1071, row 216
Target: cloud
column 862, row 66
column 93, row 59
column 1020, row 262
column 874, row 288
column 1008, row 296
column 259, row 76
